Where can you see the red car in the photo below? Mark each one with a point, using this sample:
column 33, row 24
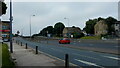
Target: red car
column 64, row 40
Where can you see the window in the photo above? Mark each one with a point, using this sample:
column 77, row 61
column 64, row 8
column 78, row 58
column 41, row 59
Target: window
column 4, row 35
column 4, row 27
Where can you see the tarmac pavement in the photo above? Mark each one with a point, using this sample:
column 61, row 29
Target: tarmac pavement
column 27, row 57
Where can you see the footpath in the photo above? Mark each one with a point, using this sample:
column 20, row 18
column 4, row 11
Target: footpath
column 28, row 57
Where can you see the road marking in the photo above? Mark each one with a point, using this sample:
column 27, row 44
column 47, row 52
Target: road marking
column 91, row 44
column 88, row 63
column 117, row 46
column 56, row 50
column 115, row 58
column 56, row 57
column 74, row 43
column 86, row 56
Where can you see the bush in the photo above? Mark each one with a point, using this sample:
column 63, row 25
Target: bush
column 76, row 35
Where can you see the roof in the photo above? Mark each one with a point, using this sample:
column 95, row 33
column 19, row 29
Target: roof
column 71, row 30
column 5, row 21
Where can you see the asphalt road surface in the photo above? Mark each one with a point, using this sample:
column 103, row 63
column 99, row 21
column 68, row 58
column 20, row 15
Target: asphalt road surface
column 106, row 45
column 78, row 57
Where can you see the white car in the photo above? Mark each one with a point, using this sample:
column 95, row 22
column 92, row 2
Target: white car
column 1, row 40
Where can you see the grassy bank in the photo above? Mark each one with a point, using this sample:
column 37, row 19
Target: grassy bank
column 91, row 37
column 6, row 62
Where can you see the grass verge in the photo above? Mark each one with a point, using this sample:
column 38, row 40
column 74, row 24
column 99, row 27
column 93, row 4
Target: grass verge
column 91, row 37
column 6, row 62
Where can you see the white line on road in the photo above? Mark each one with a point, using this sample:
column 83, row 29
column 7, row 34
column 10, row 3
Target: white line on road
column 57, row 50
column 74, row 43
column 57, row 58
column 117, row 46
column 88, row 63
column 115, row 58
column 91, row 44
column 86, row 56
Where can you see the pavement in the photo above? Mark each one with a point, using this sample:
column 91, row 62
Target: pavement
column 27, row 57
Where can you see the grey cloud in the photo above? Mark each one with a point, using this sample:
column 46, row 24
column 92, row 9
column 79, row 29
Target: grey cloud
column 48, row 13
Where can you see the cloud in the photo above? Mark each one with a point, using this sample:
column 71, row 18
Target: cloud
column 64, row 0
column 1, row 0
column 49, row 13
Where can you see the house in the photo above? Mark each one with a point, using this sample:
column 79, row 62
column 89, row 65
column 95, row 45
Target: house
column 70, row 31
column 101, row 28
column 117, row 28
column 5, row 30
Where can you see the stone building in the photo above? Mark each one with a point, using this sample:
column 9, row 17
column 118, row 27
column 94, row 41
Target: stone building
column 101, row 28
column 117, row 28
column 69, row 31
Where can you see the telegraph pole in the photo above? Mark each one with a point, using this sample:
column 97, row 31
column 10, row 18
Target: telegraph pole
column 11, row 45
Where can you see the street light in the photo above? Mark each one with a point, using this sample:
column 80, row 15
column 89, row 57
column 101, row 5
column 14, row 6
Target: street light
column 68, row 25
column 68, row 20
column 47, row 36
column 21, row 32
column 30, row 24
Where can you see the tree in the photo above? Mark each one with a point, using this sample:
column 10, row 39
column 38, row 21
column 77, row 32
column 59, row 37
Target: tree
column 3, row 8
column 43, row 32
column 58, row 28
column 78, row 35
column 18, row 32
column 110, row 21
column 50, row 29
column 89, row 28
column 47, row 30
column 100, row 19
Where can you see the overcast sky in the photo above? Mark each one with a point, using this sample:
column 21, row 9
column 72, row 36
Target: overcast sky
column 49, row 13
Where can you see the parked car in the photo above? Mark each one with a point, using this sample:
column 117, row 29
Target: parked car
column 6, row 40
column 64, row 41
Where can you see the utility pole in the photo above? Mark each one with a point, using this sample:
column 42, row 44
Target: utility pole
column 11, row 18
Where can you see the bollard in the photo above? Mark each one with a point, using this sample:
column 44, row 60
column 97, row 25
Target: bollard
column 66, row 61
column 26, row 46
column 36, row 49
column 18, row 42
column 21, row 43
column 2, row 42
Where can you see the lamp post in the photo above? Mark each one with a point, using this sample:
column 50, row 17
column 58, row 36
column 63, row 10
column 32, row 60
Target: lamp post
column 68, row 20
column 47, row 36
column 11, row 18
column 68, row 26
column 21, row 32
column 30, row 24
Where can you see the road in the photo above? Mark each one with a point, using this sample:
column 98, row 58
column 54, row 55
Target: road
column 77, row 57
column 113, row 46
column 94, row 45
